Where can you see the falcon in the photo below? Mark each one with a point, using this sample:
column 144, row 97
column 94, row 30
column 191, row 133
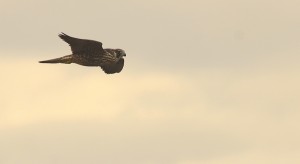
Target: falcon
column 90, row 53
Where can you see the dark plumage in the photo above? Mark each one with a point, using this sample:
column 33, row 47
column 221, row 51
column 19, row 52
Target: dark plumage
column 90, row 53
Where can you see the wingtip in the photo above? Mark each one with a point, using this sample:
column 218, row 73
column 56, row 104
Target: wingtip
column 44, row 61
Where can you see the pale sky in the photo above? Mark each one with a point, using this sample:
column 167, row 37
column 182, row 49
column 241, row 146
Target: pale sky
column 212, row 82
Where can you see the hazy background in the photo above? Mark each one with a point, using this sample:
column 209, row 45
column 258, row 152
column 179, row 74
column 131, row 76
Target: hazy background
column 213, row 82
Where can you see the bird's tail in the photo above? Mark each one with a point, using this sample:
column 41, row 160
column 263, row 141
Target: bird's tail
column 65, row 59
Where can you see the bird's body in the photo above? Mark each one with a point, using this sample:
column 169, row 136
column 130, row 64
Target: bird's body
column 90, row 53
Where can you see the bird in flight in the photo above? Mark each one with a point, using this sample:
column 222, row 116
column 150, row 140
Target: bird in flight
column 90, row 53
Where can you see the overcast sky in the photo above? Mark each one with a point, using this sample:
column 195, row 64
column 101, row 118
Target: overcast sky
column 214, row 82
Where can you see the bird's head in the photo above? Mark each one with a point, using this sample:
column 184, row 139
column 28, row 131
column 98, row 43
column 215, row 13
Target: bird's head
column 120, row 53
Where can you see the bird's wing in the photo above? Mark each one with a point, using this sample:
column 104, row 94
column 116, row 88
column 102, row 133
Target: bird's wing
column 115, row 68
column 83, row 46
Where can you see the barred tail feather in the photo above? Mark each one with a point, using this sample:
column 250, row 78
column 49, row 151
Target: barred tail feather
column 57, row 60
column 65, row 59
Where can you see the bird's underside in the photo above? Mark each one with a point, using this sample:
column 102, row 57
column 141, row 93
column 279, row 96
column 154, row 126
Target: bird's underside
column 90, row 53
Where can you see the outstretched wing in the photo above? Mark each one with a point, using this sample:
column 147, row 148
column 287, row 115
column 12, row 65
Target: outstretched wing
column 83, row 46
column 115, row 68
